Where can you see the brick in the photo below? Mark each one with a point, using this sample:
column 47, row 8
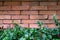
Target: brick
column 5, row 17
column 15, row 16
column 29, row 12
column 24, row 25
column 34, row 17
column 47, row 21
column 1, row 12
column 0, row 3
column 54, row 7
column 6, row 25
column 35, row 21
column 20, row 17
column 47, row 12
column 5, row 0
column 1, row 21
column 30, row 0
column 20, row 7
column 21, row 25
column 57, row 12
column 17, row 21
column 30, row 3
column 10, row 12
column 48, row 3
column 52, row 0
column 38, row 16
column 5, row 7
column 24, row 17
column 38, row 8
column 1, row 25
column 33, row 26
column 29, row 21
column 12, row 3
column 50, row 25
column 58, row 3
column 51, row 17
column 7, row 21
column 10, row 21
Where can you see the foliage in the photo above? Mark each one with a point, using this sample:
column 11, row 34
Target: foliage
column 41, row 33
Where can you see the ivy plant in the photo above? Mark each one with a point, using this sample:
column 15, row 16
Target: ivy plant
column 41, row 33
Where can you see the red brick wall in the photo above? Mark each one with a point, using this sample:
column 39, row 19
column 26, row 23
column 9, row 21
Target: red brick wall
column 27, row 12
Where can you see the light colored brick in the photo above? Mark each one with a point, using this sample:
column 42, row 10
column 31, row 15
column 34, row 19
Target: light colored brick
column 29, row 21
column 20, row 7
column 1, row 21
column 33, row 26
column 38, row 16
column 51, row 17
column 24, row 17
column 38, row 8
column 29, row 12
column 7, row 21
column 57, row 12
column 21, row 25
column 54, row 7
column 47, row 21
column 30, row 3
column 12, row 3
column 5, row 17
column 47, row 12
column 24, row 25
column 10, row 21
column 50, row 25
column 34, row 17
column 15, row 16
column 10, row 12
column 48, row 3
column 5, row 7
column 6, row 26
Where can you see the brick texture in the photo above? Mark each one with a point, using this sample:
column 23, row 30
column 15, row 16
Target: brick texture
column 26, row 13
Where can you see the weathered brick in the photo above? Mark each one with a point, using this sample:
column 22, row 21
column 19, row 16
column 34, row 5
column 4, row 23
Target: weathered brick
column 38, row 16
column 10, row 21
column 30, row 0
column 5, row 7
column 57, row 12
column 6, row 25
column 7, row 21
column 51, row 17
column 1, row 21
column 20, row 7
column 54, row 7
column 24, row 17
column 50, row 25
column 5, row 0
column 10, row 12
column 29, row 21
column 20, row 17
column 52, row 0
column 29, row 12
column 1, row 4
column 5, row 17
column 15, row 16
column 34, row 17
column 47, row 21
column 38, row 8
column 12, row 3
column 24, row 25
column 33, row 26
column 30, row 3
column 48, row 3
column 47, row 12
